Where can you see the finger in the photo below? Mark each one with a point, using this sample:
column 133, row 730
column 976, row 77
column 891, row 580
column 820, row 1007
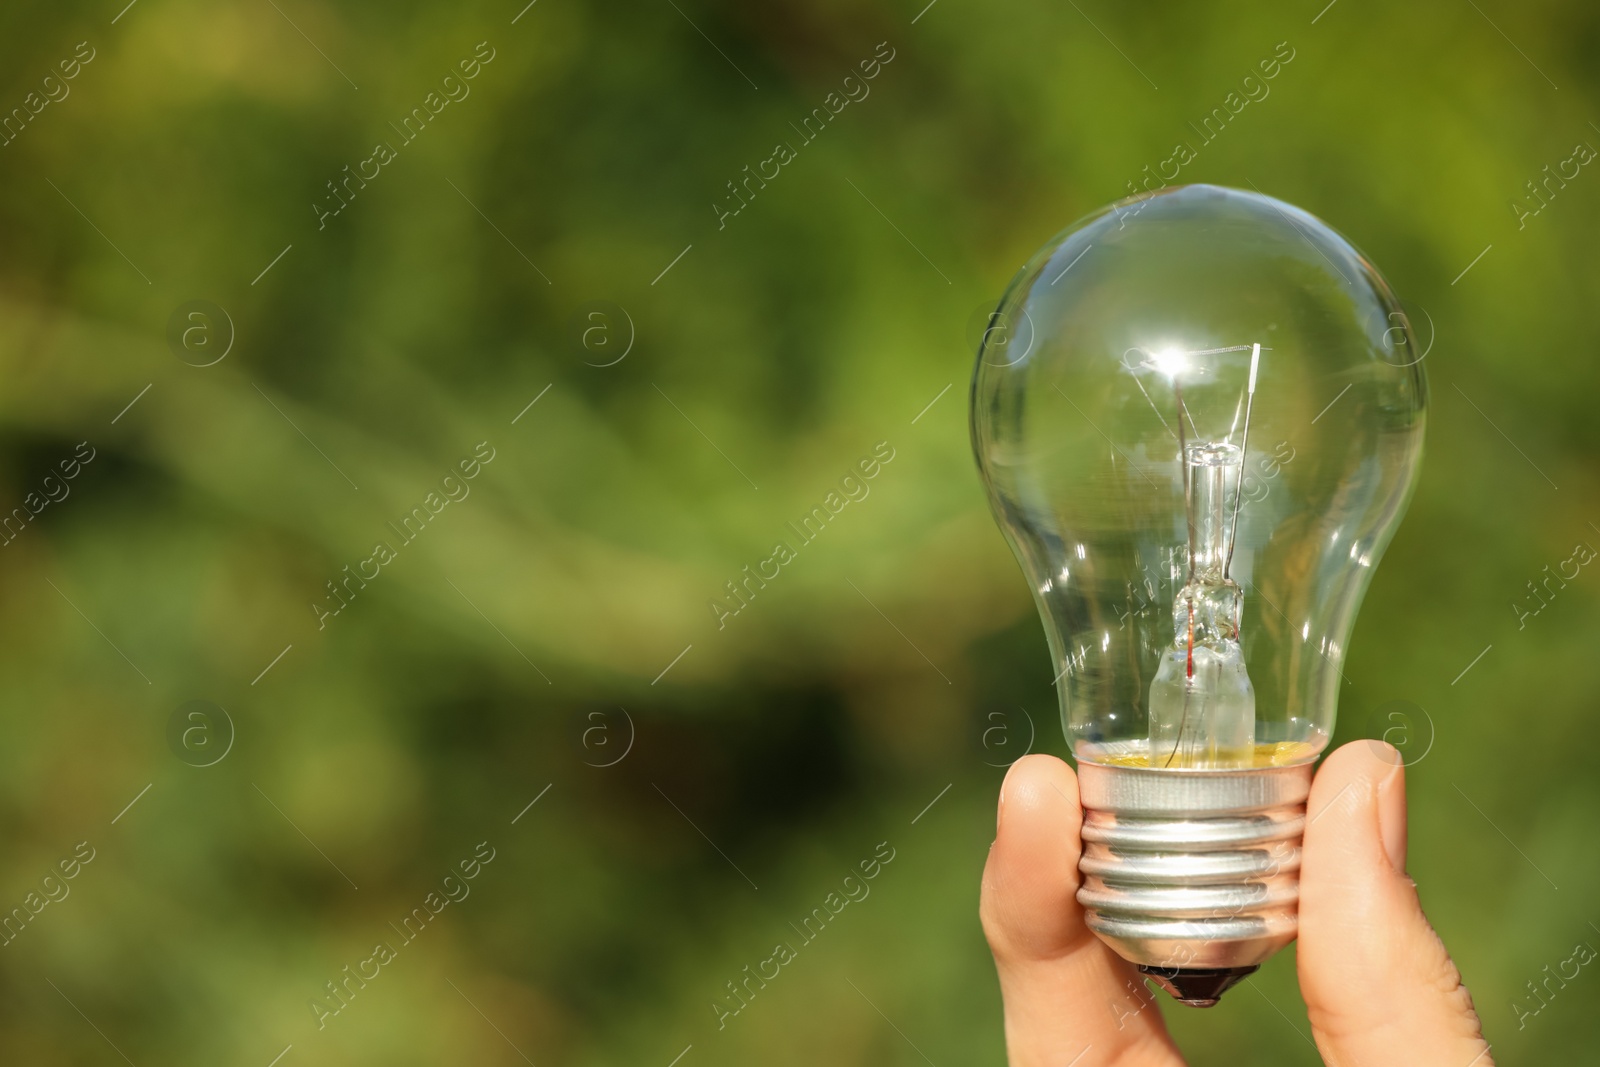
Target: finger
column 1378, row 983
column 1066, row 994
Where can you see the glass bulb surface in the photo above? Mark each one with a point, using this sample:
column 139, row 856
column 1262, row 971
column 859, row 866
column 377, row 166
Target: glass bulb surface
column 1199, row 417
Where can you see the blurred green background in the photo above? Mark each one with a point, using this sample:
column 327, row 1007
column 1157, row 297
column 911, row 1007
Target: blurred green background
column 550, row 636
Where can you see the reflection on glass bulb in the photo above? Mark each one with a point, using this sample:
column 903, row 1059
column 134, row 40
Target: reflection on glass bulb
column 1170, row 361
column 1122, row 440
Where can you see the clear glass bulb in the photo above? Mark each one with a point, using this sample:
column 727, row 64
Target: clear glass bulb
column 1199, row 417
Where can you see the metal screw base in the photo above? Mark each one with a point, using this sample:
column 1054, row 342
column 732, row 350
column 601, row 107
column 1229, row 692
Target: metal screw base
column 1192, row 875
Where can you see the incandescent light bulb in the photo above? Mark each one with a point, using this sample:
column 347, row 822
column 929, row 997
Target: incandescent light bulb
column 1199, row 416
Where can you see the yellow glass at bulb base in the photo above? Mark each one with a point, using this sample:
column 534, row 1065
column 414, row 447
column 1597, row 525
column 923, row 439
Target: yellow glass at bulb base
column 1261, row 754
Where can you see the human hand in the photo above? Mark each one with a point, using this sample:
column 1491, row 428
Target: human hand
column 1379, row 986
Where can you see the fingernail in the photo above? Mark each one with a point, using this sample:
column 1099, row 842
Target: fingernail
column 1005, row 784
column 1391, row 800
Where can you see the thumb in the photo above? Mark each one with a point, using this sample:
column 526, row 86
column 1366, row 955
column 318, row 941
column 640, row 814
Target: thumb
column 1068, row 998
column 1380, row 987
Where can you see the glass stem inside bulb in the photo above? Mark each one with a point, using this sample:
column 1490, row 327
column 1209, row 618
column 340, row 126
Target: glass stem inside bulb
column 1202, row 705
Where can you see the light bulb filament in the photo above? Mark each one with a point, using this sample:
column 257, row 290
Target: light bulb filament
column 1207, row 712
